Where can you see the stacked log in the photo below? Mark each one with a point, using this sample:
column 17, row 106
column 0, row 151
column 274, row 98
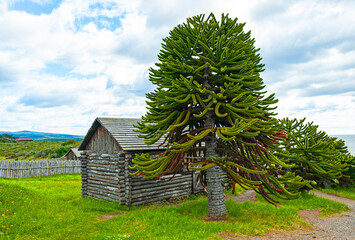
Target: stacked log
column 162, row 189
column 84, row 176
column 102, row 176
column 107, row 176
column 121, row 189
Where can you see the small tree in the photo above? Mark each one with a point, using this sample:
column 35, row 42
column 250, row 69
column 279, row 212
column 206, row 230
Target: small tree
column 7, row 138
column 209, row 90
column 317, row 157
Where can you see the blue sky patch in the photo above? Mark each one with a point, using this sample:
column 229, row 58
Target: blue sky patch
column 35, row 8
column 57, row 69
column 48, row 100
column 102, row 22
column 61, row 70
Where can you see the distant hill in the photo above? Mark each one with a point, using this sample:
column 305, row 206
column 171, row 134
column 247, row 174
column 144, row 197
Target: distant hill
column 44, row 136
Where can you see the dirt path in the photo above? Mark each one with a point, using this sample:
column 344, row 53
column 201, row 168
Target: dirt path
column 244, row 196
column 337, row 226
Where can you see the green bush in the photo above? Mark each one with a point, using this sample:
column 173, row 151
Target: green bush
column 35, row 150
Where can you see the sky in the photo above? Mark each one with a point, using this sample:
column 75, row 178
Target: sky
column 64, row 63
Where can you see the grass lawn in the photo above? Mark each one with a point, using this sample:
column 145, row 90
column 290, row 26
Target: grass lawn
column 52, row 208
column 348, row 192
column 311, row 202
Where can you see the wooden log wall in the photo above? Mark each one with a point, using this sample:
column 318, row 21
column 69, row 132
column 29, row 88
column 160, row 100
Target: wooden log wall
column 107, row 176
column 141, row 191
column 102, row 176
column 162, row 189
column 84, row 176
column 127, row 180
column 24, row 169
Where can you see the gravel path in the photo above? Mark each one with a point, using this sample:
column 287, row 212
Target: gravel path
column 337, row 226
column 244, row 196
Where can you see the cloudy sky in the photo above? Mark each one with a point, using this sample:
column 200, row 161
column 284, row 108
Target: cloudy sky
column 64, row 63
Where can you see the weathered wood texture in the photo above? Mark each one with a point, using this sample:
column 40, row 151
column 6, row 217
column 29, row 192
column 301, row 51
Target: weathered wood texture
column 122, row 130
column 109, row 147
column 161, row 189
column 71, row 155
column 102, row 176
column 23, row 169
column 107, row 176
column 84, row 173
column 102, row 142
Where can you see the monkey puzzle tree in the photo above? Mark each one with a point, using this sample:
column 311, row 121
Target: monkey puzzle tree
column 209, row 90
column 315, row 155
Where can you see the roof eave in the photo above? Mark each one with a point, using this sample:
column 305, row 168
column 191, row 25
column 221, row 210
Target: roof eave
column 89, row 134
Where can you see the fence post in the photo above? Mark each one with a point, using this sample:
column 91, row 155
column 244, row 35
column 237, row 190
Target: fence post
column 22, row 169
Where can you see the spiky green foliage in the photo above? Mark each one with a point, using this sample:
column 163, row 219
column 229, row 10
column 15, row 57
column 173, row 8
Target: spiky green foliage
column 316, row 156
column 351, row 171
column 210, row 67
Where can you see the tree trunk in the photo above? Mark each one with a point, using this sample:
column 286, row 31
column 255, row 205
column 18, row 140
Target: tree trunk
column 216, row 203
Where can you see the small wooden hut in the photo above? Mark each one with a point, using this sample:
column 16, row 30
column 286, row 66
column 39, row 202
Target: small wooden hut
column 107, row 151
column 72, row 154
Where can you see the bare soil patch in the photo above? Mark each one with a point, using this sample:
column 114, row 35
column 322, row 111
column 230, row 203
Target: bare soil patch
column 216, row 219
column 109, row 216
column 309, row 215
column 246, row 195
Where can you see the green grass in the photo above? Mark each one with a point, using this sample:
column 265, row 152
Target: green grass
column 52, row 208
column 348, row 192
column 311, row 202
column 238, row 190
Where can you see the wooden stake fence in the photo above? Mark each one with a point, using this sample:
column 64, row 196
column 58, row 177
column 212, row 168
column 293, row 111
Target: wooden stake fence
column 23, row 169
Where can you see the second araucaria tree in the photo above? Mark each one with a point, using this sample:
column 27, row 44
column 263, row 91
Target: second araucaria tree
column 209, row 89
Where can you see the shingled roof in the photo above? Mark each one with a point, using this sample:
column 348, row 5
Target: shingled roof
column 75, row 151
column 121, row 129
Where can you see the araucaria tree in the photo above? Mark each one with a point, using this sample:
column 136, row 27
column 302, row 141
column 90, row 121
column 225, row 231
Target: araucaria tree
column 209, row 90
column 315, row 155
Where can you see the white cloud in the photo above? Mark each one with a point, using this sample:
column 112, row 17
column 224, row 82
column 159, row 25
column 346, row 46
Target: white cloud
column 95, row 54
column 333, row 113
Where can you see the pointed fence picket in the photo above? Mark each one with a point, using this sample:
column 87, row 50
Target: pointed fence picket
column 23, row 169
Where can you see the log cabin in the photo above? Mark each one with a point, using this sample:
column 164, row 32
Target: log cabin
column 107, row 151
column 72, row 154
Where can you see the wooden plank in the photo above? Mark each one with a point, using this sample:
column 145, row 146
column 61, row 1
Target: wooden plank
column 161, row 185
column 177, row 177
column 161, row 182
column 161, row 192
column 159, row 199
column 21, row 169
column 105, row 189
column 108, row 182
column 106, row 171
column 150, row 188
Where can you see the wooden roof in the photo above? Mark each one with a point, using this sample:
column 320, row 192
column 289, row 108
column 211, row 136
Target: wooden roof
column 24, row 139
column 75, row 151
column 121, row 129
